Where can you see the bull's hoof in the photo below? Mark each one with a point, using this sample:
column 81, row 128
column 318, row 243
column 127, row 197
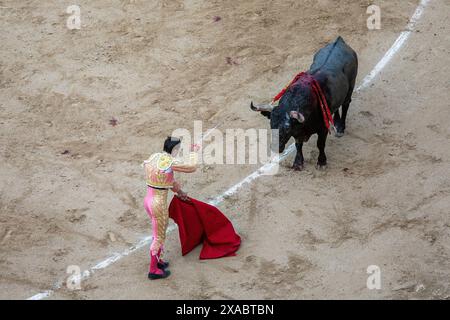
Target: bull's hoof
column 297, row 167
column 321, row 167
column 339, row 134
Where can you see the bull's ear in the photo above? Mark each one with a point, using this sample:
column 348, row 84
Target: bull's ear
column 266, row 114
column 297, row 115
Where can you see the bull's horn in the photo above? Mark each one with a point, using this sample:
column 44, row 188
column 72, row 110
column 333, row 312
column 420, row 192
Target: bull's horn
column 261, row 107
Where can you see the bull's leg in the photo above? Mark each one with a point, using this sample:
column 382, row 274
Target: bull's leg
column 340, row 127
column 337, row 123
column 299, row 160
column 321, row 141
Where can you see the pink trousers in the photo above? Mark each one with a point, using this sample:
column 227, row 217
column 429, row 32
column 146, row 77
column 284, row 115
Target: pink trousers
column 155, row 203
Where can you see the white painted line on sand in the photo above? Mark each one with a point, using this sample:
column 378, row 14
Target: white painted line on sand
column 396, row 46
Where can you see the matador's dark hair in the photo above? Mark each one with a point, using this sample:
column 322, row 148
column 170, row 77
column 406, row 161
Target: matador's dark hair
column 170, row 143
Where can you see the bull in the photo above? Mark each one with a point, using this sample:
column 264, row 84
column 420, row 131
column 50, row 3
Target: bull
column 299, row 114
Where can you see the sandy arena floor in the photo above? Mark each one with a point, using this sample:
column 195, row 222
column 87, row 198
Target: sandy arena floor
column 72, row 186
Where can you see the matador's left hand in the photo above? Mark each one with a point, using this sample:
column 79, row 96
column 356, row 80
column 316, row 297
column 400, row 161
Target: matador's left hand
column 183, row 195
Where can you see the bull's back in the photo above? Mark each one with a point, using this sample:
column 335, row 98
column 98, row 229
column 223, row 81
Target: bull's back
column 334, row 57
column 335, row 67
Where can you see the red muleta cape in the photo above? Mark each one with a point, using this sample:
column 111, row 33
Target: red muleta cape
column 200, row 222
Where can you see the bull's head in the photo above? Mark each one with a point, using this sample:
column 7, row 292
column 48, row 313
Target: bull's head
column 282, row 120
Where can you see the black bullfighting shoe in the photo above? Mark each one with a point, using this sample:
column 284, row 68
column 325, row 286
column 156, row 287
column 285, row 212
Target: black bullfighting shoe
column 154, row 276
column 163, row 265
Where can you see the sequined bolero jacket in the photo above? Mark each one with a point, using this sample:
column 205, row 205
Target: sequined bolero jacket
column 160, row 166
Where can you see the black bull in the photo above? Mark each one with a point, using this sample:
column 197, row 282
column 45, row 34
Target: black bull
column 299, row 115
